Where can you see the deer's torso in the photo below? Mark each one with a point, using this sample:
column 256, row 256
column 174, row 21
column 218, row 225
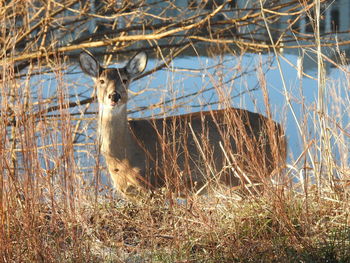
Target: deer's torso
column 185, row 152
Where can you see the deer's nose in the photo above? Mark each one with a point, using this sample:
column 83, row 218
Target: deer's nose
column 114, row 97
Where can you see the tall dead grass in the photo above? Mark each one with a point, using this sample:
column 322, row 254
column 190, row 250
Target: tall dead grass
column 49, row 213
column 52, row 207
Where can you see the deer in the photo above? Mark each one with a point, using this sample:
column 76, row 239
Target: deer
column 184, row 153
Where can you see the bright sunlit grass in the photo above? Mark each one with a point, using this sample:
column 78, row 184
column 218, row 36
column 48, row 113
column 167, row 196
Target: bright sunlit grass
column 57, row 204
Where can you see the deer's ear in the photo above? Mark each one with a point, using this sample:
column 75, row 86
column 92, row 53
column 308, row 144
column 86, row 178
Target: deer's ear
column 137, row 64
column 89, row 65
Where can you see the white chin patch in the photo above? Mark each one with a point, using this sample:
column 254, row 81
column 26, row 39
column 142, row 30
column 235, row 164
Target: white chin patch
column 114, row 110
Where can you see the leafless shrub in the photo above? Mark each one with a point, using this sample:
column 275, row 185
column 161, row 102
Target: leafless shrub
column 54, row 205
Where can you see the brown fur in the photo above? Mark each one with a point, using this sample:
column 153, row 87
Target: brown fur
column 168, row 154
column 184, row 153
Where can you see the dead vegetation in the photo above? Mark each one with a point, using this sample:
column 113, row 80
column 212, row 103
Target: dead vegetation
column 55, row 202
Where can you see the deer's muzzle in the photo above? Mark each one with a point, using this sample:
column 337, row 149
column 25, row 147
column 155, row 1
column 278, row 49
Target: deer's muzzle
column 114, row 97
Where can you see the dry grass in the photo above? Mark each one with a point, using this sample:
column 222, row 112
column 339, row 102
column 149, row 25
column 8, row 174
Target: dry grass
column 50, row 212
column 55, row 207
column 271, row 228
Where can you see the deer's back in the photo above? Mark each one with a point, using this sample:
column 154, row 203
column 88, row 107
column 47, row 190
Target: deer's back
column 186, row 150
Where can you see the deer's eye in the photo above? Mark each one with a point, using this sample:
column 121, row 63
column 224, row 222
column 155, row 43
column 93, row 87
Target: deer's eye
column 102, row 81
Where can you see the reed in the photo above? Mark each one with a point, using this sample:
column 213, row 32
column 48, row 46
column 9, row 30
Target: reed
column 57, row 204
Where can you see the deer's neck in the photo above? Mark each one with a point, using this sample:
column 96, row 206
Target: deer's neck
column 114, row 132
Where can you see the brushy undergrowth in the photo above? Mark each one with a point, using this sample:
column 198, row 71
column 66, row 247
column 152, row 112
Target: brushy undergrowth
column 53, row 204
column 50, row 211
column 270, row 228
